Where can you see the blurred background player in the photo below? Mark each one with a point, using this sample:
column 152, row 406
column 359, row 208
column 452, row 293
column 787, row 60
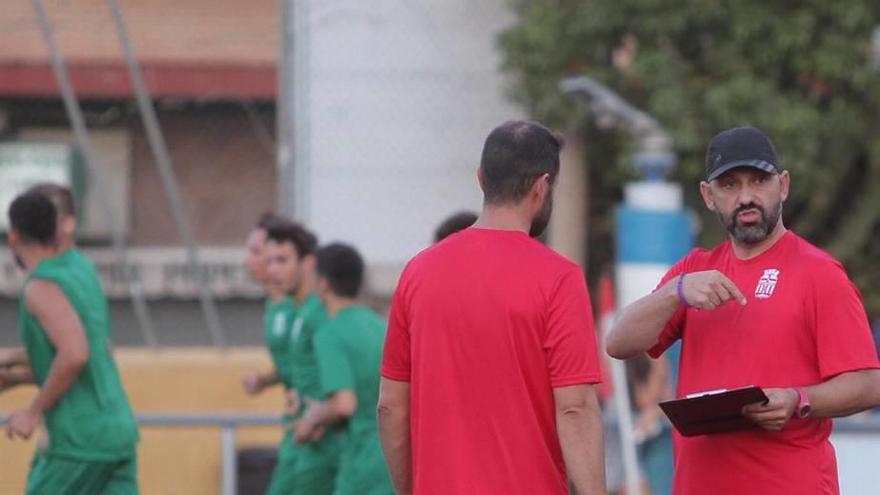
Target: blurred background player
column 65, row 238
column 454, row 223
column 312, row 466
column 277, row 321
column 349, row 351
column 65, row 327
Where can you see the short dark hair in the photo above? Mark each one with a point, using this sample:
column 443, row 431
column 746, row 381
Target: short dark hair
column 515, row 155
column 61, row 197
column 453, row 224
column 342, row 267
column 303, row 240
column 267, row 218
column 34, row 217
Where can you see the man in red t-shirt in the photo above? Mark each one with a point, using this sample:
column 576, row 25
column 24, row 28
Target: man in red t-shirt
column 764, row 308
column 490, row 354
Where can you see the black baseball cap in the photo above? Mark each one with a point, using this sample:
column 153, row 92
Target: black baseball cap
column 740, row 147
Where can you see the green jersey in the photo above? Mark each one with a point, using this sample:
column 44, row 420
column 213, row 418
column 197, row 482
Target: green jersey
column 315, row 466
column 304, row 370
column 349, row 349
column 93, row 419
column 277, row 321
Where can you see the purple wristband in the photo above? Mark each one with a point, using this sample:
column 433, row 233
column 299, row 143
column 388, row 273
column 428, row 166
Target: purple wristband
column 681, row 297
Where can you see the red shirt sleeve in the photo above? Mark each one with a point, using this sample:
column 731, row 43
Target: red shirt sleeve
column 570, row 335
column 840, row 325
column 673, row 328
column 396, row 359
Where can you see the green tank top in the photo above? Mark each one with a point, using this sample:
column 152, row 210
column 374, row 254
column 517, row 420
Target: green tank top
column 277, row 321
column 93, row 419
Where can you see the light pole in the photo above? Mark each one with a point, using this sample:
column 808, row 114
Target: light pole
column 653, row 230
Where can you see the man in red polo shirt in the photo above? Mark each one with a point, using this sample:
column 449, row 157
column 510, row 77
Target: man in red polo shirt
column 490, row 354
column 764, row 308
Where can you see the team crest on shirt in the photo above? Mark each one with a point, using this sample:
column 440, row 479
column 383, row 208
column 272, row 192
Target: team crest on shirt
column 278, row 324
column 767, row 283
column 297, row 328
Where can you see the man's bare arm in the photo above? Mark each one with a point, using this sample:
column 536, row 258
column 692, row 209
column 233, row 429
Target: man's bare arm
column 51, row 308
column 639, row 325
column 254, row 382
column 579, row 426
column 64, row 329
column 394, row 431
column 13, row 357
column 845, row 394
column 13, row 377
column 340, row 406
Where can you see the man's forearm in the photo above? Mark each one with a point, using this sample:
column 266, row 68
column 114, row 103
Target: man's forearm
column 581, row 439
column 395, row 435
column 14, row 357
column 638, row 326
column 13, row 377
column 845, row 394
column 269, row 378
column 62, row 376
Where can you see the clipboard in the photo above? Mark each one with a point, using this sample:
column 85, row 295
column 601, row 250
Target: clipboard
column 713, row 411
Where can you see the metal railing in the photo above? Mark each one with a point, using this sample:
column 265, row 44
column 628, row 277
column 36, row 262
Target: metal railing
column 866, row 424
column 228, row 424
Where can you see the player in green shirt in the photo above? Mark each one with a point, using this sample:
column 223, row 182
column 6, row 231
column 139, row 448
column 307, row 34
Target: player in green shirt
column 292, row 266
column 14, row 364
column 64, row 324
column 277, row 321
column 349, row 351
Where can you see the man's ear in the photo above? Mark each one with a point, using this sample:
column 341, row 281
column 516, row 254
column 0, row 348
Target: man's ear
column 784, row 184
column 541, row 188
column 68, row 226
column 324, row 289
column 309, row 261
column 706, row 193
column 12, row 237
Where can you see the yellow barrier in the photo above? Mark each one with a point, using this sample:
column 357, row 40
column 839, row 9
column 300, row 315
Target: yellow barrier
column 171, row 380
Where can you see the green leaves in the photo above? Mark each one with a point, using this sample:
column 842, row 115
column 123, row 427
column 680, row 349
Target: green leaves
column 799, row 70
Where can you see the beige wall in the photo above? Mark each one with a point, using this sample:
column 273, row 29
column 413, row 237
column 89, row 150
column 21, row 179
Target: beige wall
column 186, row 32
column 170, row 381
column 568, row 225
column 225, row 169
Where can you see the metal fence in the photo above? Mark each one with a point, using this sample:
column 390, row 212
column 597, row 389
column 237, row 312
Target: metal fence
column 856, row 439
column 228, row 425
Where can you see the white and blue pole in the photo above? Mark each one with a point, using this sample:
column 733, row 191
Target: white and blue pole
column 653, row 232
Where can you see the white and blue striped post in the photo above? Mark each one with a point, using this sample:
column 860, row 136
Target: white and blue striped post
column 653, row 232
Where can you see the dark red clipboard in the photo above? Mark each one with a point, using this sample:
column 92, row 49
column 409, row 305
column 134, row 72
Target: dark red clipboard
column 716, row 411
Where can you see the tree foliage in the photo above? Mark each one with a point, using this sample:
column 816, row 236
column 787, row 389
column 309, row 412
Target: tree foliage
column 805, row 72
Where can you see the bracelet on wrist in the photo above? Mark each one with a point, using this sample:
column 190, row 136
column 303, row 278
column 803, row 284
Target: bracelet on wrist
column 680, row 288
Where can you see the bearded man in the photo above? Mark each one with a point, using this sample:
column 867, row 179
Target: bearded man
column 765, row 308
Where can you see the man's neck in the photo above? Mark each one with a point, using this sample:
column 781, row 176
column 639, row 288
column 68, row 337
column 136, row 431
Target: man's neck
column 302, row 292
column 33, row 256
column 66, row 245
column 335, row 304
column 504, row 217
column 274, row 295
column 744, row 251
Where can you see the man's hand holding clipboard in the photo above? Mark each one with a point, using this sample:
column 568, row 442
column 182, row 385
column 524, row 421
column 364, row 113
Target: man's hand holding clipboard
column 776, row 411
column 721, row 411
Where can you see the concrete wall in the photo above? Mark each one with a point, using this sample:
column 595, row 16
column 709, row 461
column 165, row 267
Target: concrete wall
column 399, row 96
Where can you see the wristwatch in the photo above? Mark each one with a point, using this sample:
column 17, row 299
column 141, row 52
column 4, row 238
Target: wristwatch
column 804, row 407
